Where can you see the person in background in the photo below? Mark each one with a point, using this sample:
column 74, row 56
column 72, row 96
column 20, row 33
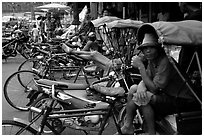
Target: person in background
column 105, row 12
column 42, row 29
column 163, row 15
column 86, row 26
column 35, row 33
column 169, row 12
column 50, row 25
column 38, row 22
column 191, row 10
column 102, row 62
column 91, row 44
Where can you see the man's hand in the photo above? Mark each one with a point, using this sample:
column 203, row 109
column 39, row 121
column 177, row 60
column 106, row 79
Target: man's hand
column 141, row 91
column 142, row 95
column 142, row 98
column 137, row 62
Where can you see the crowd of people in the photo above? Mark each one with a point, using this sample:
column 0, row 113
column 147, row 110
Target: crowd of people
column 46, row 27
column 49, row 27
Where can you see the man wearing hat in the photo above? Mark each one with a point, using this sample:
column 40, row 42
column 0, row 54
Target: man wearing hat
column 161, row 90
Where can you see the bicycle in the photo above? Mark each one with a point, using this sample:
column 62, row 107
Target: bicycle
column 25, row 91
column 16, row 45
column 44, row 75
column 59, row 66
column 80, row 91
column 17, row 96
column 89, row 119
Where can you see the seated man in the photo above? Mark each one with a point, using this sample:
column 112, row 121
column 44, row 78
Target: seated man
column 101, row 61
column 91, row 44
column 161, row 91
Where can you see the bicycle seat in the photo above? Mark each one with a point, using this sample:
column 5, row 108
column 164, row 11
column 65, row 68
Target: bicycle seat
column 73, row 86
column 80, row 100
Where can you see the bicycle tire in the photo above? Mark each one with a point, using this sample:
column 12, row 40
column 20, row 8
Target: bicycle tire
column 48, row 72
column 38, row 103
column 21, row 66
column 29, row 64
column 24, row 82
column 16, row 91
column 54, row 72
column 10, row 124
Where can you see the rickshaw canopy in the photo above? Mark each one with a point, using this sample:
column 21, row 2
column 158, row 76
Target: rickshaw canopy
column 127, row 23
column 53, row 6
column 182, row 33
column 101, row 21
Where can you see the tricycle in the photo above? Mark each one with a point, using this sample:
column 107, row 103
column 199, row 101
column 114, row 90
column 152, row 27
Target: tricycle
column 178, row 34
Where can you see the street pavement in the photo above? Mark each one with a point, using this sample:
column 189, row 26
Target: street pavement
column 10, row 66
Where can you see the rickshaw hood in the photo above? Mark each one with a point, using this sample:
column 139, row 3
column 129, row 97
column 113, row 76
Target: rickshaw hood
column 181, row 33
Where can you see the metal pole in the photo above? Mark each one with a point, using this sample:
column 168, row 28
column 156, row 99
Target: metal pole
column 100, row 8
column 123, row 12
column 150, row 12
column 76, row 14
column 32, row 11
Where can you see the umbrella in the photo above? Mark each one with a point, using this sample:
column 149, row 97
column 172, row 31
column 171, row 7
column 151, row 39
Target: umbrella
column 83, row 13
column 101, row 21
column 53, row 6
column 127, row 23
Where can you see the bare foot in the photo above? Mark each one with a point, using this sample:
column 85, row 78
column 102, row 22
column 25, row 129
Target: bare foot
column 126, row 131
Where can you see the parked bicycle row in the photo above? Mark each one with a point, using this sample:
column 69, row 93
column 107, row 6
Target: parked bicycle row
column 50, row 90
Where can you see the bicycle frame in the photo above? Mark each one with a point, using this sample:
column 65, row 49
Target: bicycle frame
column 49, row 69
column 67, row 68
column 10, row 43
column 48, row 113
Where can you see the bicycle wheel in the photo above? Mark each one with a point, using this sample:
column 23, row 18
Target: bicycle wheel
column 10, row 127
column 25, row 77
column 40, row 103
column 34, row 64
column 26, row 65
column 17, row 88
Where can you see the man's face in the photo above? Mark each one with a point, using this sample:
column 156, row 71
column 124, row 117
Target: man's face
column 150, row 53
